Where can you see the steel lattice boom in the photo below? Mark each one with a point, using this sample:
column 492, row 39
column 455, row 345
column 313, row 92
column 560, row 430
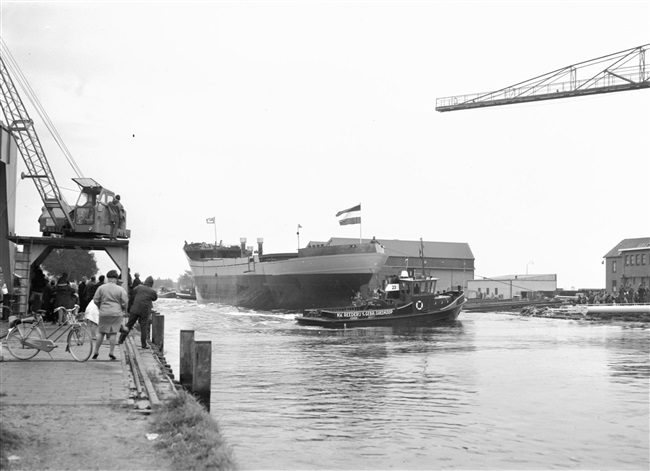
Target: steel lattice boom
column 21, row 127
column 621, row 71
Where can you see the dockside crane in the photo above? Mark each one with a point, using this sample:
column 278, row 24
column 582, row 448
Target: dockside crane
column 617, row 72
column 89, row 218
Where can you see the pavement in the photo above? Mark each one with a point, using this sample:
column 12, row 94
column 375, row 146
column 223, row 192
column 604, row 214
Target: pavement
column 58, row 379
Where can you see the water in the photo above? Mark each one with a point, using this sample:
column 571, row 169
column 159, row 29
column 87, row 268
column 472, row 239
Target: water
column 492, row 391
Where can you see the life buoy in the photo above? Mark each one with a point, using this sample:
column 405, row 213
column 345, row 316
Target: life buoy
column 418, row 305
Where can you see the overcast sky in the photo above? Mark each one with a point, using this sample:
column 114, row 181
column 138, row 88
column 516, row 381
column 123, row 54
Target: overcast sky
column 272, row 114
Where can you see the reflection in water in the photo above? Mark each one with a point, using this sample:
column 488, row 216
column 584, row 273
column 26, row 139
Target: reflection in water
column 488, row 392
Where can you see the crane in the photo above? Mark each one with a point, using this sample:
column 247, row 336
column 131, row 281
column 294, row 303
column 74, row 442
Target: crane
column 619, row 74
column 90, row 216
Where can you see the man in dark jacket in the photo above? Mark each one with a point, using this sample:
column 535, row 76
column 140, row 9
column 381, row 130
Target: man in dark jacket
column 63, row 295
column 143, row 297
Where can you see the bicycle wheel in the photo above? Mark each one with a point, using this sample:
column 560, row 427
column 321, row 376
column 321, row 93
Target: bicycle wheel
column 16, row 341
column 80, row 343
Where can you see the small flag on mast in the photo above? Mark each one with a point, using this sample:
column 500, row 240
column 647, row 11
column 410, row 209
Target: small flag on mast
column 210, row 220
column 350, row 216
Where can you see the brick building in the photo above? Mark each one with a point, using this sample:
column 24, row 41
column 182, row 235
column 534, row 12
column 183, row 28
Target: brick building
column 628, row 265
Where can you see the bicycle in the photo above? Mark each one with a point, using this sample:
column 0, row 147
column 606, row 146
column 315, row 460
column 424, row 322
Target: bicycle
column 26, row 337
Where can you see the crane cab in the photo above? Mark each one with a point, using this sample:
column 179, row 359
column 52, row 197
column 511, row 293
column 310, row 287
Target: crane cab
column 90, row 217
column 91, row 214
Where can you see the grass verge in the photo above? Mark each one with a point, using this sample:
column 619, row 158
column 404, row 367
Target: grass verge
column 190, row 435
column 9, row 440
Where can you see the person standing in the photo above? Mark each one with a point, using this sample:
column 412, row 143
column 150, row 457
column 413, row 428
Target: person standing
column 143, row 297
column 81, row 292
column 64, row 296
column 115, row 215
column 36, row 290
column 111, row 300
column 89, row 292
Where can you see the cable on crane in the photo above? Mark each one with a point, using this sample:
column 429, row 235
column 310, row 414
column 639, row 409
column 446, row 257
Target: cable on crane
column 40, row 110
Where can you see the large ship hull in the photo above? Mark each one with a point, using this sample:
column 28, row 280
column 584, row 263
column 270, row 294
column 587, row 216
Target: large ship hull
column 295, row 283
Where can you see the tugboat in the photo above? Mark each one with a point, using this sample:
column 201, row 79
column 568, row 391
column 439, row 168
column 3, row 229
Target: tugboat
column 407, row 299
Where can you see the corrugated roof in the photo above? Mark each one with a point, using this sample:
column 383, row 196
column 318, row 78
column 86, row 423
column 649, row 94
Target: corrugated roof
column 640, row 243
column 411, row 248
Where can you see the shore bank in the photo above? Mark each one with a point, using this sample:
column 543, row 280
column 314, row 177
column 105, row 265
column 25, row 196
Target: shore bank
column 56, row 413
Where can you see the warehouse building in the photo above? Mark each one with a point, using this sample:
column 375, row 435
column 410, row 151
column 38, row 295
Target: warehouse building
column 512, row 287
column 451, row 262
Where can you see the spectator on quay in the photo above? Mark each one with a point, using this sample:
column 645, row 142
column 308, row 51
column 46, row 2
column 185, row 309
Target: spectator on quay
column 111, row 300
column 89, row 292
column 46, row 305
column 143, row 297
column 136, row 280
column 80, row 290
column 36, row 290
column 63, row 295
column 132, row 284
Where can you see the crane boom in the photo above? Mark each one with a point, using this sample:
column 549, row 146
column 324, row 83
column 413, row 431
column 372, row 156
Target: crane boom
column 97, row 212
column 21, row 127
column 616, row 76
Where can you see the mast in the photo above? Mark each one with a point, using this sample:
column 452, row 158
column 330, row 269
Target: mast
column 424, row 274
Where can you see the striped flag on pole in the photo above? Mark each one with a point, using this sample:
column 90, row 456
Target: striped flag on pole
column 350, row 216
column 210, row 220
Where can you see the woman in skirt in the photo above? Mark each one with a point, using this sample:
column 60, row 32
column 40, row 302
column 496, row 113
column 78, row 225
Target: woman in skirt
column 112, row 300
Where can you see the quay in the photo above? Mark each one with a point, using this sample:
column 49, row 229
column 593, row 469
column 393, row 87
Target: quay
column 97, row 414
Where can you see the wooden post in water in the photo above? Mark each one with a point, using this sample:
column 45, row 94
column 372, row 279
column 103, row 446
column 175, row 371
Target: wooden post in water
column 187, row 354
column 158, row 331
column 202, row 375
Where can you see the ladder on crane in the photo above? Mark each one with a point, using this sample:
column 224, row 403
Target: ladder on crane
column 617, row 76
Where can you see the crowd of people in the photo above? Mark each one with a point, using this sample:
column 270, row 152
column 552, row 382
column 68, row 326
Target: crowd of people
column 103, row 300
column 625, row 295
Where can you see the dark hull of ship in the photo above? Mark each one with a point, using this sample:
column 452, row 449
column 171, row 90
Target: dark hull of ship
column 412, row 309
column 411, row 319
column 286, row 292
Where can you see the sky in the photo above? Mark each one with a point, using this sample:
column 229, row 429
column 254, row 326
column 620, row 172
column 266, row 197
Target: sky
column 266, row 115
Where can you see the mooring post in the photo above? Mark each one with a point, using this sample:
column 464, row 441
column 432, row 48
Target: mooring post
column 201, row 377
column 158, row 331
column 187, row 352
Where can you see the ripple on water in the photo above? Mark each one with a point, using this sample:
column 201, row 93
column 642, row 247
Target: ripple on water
column 489, row 392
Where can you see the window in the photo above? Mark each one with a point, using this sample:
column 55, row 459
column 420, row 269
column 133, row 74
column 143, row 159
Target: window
column 496, row 291
column 614, row 266
column 627, row 260
column 636, row 258
column 479, row 289
column 614, row 286
column 487, row 290
column 642, row 259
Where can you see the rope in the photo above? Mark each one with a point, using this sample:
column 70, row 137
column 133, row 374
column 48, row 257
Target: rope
column 17, row 73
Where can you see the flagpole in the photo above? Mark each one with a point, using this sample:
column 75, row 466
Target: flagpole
column 360, row 238
column 215, row 232
column 298, row 234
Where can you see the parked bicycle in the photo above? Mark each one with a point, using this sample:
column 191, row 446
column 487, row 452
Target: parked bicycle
column 26, row 336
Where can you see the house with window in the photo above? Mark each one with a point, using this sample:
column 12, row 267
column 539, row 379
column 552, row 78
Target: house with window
column 628, row 265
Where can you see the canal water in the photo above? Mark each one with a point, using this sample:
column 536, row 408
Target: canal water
column 491, row 391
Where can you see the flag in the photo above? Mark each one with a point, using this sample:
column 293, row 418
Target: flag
column 299, row 226
column 210, row 220
column 350, row 216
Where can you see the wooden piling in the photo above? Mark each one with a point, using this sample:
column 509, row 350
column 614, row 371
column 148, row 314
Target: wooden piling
column 187, row 353
column 158, row 331
column 202, row 374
